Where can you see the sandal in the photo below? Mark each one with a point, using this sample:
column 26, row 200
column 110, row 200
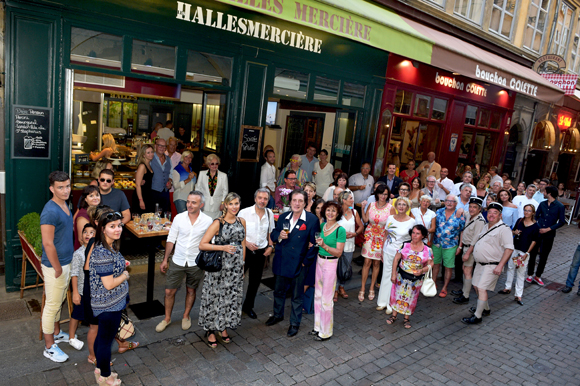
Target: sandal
column 335, row 298
column 130, row 346
column 371, row 294
column 211, row 343
column 224, row 339
column 109, row 381
column 342, row 293
column 392, row 320
column 361, row 296
column 407, row 323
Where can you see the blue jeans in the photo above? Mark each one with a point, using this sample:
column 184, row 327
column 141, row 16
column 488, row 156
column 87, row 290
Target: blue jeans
column 573, row 268
column 180, row 205
column 281, row 287
column 108, row 327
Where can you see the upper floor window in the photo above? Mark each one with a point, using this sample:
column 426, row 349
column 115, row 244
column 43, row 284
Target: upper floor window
column 575, row 55
column 561, row 36
column 438, row 2
column 471, row 9
column 536, row 24
column 502, row 17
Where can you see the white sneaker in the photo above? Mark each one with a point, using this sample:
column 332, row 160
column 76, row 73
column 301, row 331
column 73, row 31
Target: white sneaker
column 54, row 353
column 76, row 344
column 61, row 337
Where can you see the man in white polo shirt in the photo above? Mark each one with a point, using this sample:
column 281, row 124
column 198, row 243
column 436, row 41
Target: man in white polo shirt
column 259, row 224
column 268, row 175
column 361, row 184
column 186, row 233
column 443, row 186
column 525, row 199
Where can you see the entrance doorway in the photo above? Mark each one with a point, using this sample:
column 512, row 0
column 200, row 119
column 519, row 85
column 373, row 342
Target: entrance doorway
column 535, row 164
column 301, row 130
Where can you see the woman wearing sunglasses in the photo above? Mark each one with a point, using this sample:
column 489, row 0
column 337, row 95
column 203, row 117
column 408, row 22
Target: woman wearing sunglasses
column 109, row 289
column 214, row 186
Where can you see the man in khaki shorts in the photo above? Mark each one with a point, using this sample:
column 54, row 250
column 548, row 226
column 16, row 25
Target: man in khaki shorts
column 186, row 233
column 472, row 229
column 492, row 250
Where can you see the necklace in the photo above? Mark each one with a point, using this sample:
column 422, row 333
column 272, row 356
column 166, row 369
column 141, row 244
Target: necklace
column 326, row 230
column 381, row 207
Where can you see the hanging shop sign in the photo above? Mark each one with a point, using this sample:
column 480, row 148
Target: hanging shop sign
column 31, row 132
column 243, row 26
column 554, row 62
column 566, row 82
column 564, row 121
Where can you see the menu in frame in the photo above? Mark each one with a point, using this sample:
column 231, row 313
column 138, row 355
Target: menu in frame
column 31, row 129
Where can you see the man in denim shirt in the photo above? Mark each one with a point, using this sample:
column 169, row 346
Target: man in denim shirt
column 161, row 183
column 449, row 224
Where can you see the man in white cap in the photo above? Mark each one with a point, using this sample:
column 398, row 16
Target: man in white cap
column 472, row 229
column 492, row 249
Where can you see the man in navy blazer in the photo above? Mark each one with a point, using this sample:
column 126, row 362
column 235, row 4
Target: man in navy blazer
column 392, row 180
column 295, row 251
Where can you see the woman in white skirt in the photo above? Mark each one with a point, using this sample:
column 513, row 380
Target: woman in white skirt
column 397, row 230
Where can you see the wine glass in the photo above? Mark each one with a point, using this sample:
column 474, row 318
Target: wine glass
column 168, row 216
column 150, row 225
column 316, row 236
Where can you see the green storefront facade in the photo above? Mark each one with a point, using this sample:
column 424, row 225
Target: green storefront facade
column 258, row 44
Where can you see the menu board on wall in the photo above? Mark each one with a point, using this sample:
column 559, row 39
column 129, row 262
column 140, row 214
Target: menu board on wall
column 31, row 129
column 250, row 138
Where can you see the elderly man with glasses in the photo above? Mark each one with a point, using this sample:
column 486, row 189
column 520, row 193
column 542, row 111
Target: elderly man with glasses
column 282, row 194
column 430, row 190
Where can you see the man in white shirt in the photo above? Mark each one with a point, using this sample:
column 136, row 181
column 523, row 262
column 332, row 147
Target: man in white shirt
column 540, row 194
column 186, row 233
column 268, row 176
column 467, row 178
column 259, row 224
column 525, row 199
column 430, row 190
column 494, row 176
column 443, row 185
column 175, row 158
column 167, row 131
column 361, row 183
column 308, row 161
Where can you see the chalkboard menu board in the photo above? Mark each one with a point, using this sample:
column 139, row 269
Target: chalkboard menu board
column 31, row 132
column 250, row 139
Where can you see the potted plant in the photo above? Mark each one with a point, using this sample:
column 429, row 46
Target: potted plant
column 31, row 241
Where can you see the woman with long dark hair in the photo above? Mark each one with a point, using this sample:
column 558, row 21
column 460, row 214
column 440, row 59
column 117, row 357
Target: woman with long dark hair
column 91, row 197
column 109, row 290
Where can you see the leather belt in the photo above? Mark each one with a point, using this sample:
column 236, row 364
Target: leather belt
column 496, row 263
column 327, row 257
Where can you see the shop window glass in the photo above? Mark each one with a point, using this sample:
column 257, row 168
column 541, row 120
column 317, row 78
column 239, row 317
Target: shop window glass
column 403, row 102
column 470, row 9
column 208, row 68
column 571, row 142
column 465, row 145
column 412, row 140
column 130, row 115
column 536, row 24
column 502, row 17
column 495, row 120
column 94, row 48
column 544, row 136
column 385, row 128
column 483, row 149
column 438, row 2
column 353, row 94
column 290, row 83
column 422, row 105
column 471, row 115
column 114, row 114
column 439, row 109
column 575, row 64
column 561, row 37
column 326, row 90
column 484, row 116
column 153, row 58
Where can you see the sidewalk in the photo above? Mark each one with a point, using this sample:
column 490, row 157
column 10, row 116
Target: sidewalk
column 534, row 344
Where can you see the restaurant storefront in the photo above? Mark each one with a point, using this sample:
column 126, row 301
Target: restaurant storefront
column 212, row 67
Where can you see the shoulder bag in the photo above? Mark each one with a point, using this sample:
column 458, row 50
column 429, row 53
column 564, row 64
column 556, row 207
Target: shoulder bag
column 343, row 268
column 211, row 261
column 428, row 289
column 126, row 327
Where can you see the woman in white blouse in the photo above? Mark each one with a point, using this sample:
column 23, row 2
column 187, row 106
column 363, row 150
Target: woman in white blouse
column 323, row 172
column 214, row 186
column 184, row 179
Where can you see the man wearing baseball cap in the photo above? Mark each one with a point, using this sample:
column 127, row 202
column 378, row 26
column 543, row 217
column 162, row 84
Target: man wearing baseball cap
column 472, row 229
column 493, row 247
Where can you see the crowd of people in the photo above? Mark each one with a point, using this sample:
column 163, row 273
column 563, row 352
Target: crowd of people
column 406, row 226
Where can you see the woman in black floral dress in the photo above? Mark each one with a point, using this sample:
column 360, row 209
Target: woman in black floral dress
column 222, row 294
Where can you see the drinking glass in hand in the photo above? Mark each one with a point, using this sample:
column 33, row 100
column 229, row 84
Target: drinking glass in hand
column 317, row 237
column 286, row 226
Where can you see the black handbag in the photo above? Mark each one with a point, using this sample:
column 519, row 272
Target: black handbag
column 344, row 269
column 210, row 261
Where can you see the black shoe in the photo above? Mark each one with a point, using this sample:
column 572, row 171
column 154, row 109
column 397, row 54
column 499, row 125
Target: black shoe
column 567, row 290
column 461, row 300
column 272, row 320
column 472, row 320
column 292, row 331
column 251, row 314
column 578, row 293
column 504, row 292
column 485, row 312
column 313, row 332
column 520, row 302
column 319, row 339
column 457, row 292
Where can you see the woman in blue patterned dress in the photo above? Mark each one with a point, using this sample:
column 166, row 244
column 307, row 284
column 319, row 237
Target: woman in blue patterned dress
column 109, row 291
column 222, row 293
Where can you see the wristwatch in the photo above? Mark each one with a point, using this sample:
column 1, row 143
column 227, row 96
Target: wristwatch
column 271, row 246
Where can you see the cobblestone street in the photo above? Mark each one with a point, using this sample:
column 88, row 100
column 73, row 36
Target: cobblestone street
column 536, row 344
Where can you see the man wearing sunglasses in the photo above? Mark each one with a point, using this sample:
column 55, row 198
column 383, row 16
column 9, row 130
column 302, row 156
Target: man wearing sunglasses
column 113, row 198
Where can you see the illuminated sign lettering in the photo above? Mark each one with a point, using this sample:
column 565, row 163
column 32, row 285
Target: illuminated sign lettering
column 564, row 121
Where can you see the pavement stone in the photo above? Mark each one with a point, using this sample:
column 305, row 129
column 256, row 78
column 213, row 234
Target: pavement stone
column 531, row 345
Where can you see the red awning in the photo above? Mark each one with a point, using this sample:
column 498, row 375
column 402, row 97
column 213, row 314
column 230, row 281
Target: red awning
column 456, row 55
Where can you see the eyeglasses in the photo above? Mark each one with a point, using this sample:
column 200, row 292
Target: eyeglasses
column 450, row 201
column 112, row 215
column 403, row 190
column 214, row 164
column 292, row 179
column 108, row 181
